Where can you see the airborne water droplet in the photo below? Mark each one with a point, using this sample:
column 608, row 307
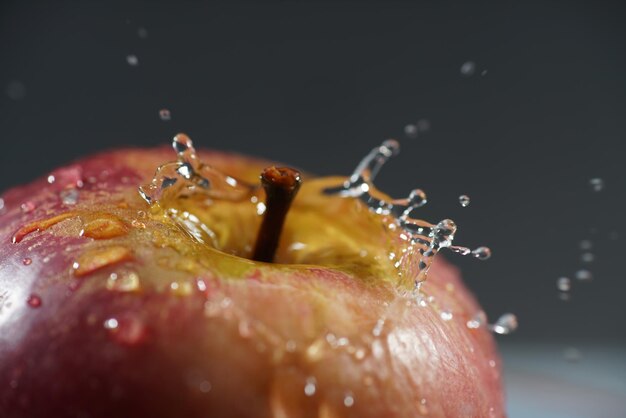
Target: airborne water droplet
column 164, row 114
column 132, row 60
column 572, row 354
column 464, row 200
column 506, row 324
column 586, row 244
column 142, row 33
column 584, row 275
column 410, row 131
column 587, row 257
column 564, row 284
column 468, row 68
column 482, row 253
column 597, row 184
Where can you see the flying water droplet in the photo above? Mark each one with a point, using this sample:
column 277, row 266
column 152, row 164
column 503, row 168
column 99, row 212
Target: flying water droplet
column 142, row 33
column 477, row 320
column 411, row 131
column 506, row 324
column 572, row 354
column 164, row 114
column 587, row 257
column 586, row 244
column 482, row 253
column 468, row 68
column 34, row 301
column 464, row 200
column 584, row 275
column 597, row 184
column 564, row 284
column 132, row 60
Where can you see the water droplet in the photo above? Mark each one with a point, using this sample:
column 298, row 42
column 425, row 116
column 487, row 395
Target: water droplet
column 483, row 73
column 464, row 200
column 111, row 324
column 572, row 354
column 446, row 315
column 586, row 244
column 482, row 253
column 411, row 131
column 34, row 301
column 27, row 261
column 564, row 296
column 1, row 205
column 28, row 207
column 563, row 284
column 506, row 324
column 69, row 196
column 378, row 328
column 310, row 387
column 51, row 179
column 478, row 320
column 587, row 257
column 164, row 114
column 423, row 125
column 123, row 281
column 132, row 60
column 584, row 275
column 468, row 68
column 597, row 184
column 16, row 90
column 142, row 33
column 205, row 386
column 348, row 400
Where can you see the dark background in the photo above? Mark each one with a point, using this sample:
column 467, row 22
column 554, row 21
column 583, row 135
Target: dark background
column 317, row 84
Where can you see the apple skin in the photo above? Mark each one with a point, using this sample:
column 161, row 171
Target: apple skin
column 200, row 344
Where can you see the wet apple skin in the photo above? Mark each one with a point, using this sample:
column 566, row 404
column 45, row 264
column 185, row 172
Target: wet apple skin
column 226, row 346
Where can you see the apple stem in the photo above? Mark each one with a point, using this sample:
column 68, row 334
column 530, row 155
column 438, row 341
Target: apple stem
column 281, row 185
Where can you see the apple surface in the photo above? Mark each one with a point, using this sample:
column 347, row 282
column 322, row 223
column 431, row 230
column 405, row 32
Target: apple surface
column 111, row 307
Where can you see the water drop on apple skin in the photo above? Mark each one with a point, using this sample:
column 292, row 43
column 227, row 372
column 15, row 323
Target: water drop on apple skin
column 27, row 261
column 34, row 301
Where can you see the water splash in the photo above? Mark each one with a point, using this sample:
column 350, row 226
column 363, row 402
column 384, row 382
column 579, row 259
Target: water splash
column 425, row 238
column 189, row 176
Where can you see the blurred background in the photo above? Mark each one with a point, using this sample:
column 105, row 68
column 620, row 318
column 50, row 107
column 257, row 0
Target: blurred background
column 519, row 105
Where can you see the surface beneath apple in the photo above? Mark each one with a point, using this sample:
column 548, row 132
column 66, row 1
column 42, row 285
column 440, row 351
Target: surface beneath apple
column 112, row 307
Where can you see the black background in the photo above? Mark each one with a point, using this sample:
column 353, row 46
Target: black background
column 317, row 84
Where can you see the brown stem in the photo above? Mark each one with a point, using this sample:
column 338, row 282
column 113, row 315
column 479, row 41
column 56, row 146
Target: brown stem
column 281, row 185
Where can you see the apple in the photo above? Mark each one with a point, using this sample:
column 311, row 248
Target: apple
column 113, row 307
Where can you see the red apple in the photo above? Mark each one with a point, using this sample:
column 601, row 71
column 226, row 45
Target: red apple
column 112, row 308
